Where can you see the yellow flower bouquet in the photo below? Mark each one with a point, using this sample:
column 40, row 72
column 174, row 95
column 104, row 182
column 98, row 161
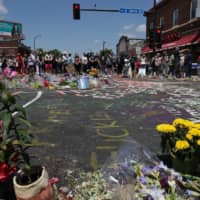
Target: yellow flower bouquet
column 181, row 140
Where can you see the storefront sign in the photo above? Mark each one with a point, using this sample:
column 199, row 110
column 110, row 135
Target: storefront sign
column 10, row 28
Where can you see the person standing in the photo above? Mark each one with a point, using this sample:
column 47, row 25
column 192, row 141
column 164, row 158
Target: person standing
column 188, row 63
column 77, row 64
column 20, row 63
column 177, row 62
column 182, row 65
column 158, row 61
column 165, row 64
column 31, row 63
column 171, row 65
column 143, row 65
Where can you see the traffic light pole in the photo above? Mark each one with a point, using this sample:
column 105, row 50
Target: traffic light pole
column 99, row 10
column 154, row 26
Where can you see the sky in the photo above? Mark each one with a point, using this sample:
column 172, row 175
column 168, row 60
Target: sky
column 53, row 21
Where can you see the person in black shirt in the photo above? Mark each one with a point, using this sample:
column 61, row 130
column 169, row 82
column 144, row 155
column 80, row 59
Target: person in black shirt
column 77, row 64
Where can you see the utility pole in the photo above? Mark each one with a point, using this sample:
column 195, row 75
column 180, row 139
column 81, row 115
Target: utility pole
column 34, row 40
column 104, row 42
column 154, row 26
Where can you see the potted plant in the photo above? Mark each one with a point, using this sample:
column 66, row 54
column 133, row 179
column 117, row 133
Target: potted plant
column 15, row 140
column 181, row 140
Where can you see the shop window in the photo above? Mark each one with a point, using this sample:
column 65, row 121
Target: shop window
column 161, row 22
column 193, row 6
column 151, row 25
column 175, row 17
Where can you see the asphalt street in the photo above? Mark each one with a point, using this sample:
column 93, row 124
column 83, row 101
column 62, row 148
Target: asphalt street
column 86, row 129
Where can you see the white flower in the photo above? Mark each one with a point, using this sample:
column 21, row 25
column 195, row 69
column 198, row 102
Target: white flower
column 157, row 194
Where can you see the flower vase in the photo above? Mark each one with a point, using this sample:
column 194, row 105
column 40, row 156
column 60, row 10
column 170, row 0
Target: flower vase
column 38, row 189
column 185, row 166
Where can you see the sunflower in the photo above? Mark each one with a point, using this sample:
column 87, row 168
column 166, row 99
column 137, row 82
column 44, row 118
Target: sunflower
column 165, row 128
column 194, row 132
column 182, row 123
column 182, row 144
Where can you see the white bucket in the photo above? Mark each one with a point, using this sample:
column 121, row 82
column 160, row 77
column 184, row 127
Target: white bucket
column 83, row 83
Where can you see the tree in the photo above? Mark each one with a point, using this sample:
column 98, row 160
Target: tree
column 40, row 51
column 24, row 49
column 55, row 52
column 106, row 52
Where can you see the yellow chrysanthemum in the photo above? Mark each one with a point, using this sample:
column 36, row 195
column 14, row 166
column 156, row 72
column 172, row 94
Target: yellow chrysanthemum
column 189, row 136
column 198, row 142
column 182, row 123
column 165, row 128
column 182, row 144
column 196, row 126
column 194, row 132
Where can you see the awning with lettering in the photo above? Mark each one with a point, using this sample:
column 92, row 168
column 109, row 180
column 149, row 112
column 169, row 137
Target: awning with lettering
column 183, row 41
column 146, row 49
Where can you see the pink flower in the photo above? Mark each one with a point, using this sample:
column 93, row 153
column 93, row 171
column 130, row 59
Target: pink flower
column 22, row 80
column 13, row 74
column 7, row 71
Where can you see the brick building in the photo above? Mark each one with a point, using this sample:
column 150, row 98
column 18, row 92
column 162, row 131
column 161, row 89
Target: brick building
column 179, row 21
column 129, row 46
column 10, row 37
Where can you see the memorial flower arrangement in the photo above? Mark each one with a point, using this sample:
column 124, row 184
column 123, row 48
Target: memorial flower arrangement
column 159, row 182
column 14, row 136
column 132, row 180
column 93, row 72
column 181, row 139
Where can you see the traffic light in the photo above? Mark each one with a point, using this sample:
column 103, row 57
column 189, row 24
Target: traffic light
column 158, row 38
column 76, row 11
column 151, row 38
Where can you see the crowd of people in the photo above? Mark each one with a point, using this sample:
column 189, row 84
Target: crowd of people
column 177, row 64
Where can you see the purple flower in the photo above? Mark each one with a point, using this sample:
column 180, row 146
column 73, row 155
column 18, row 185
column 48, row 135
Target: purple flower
column 142, row 180
column 164, row 180
column 156, row 168
column 145, row 170
column 124, row 165
column 149, row 197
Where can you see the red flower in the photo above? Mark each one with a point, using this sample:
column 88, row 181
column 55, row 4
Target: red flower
column 45, row 83
column 6, row 171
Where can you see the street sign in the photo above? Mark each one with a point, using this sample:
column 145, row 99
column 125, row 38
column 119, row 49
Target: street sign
column 131, row 11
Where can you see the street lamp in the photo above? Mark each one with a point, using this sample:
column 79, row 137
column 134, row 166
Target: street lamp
column 34, row 40
column 104, row 42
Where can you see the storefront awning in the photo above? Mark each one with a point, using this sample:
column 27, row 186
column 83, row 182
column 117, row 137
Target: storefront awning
column 192, row 38
column 183, row 41
column 146, row 49
column 197, row 41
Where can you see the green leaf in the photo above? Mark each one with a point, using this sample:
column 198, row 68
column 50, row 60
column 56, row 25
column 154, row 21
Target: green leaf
column 20, row 109
column 4, row 97
column 26, row 122
column 2, row 87
column 6, row 117
column 12, row 156
column 1, row 156
column 16, row 142
column 11, row 99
